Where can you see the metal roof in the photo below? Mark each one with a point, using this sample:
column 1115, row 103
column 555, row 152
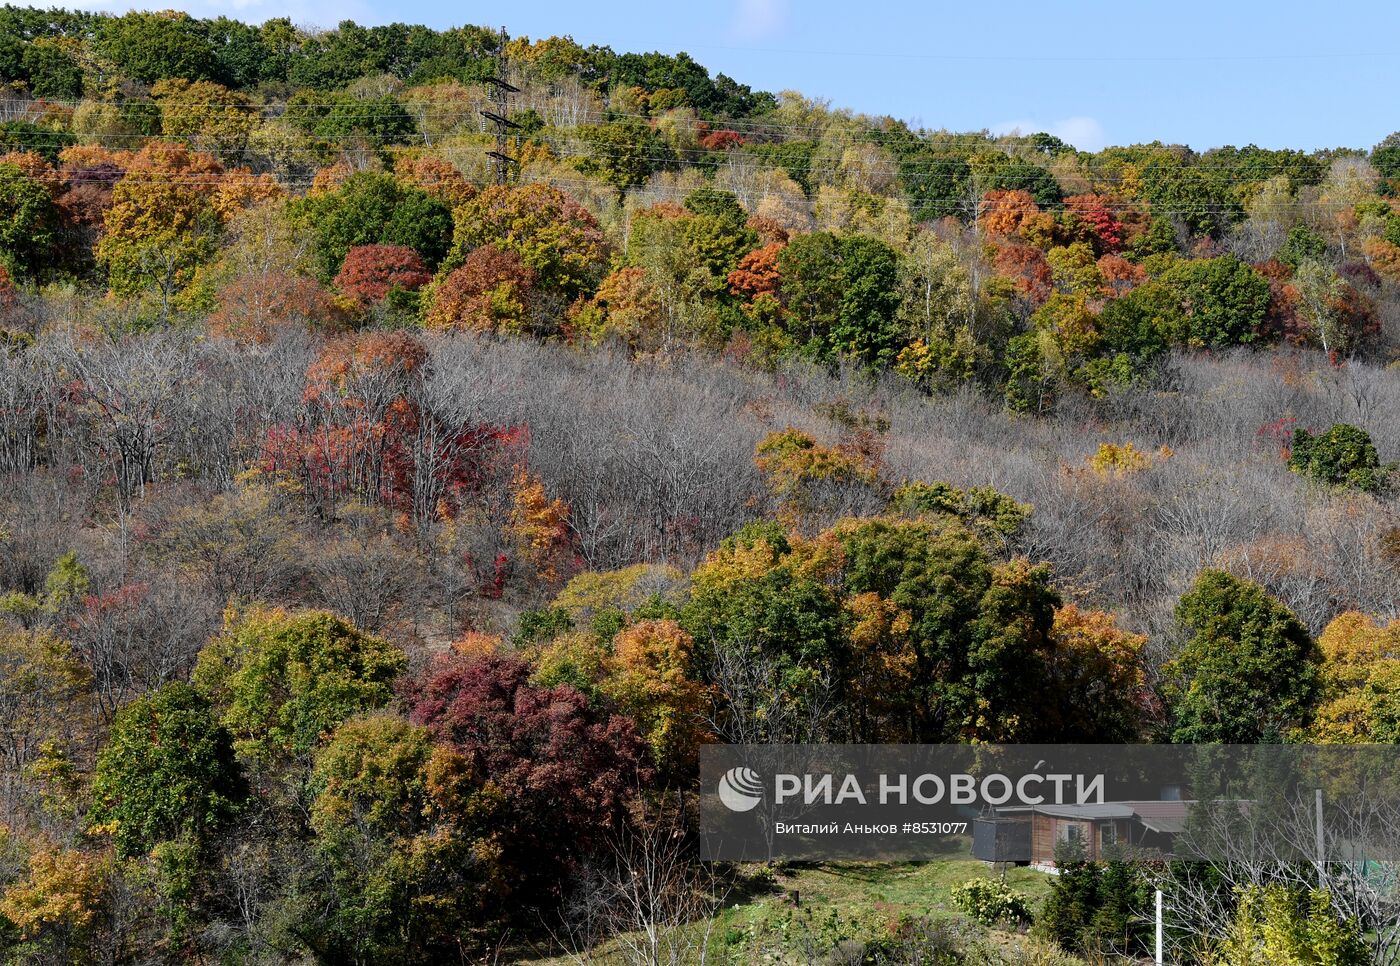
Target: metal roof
column 1165, row 823
column 1167, row 817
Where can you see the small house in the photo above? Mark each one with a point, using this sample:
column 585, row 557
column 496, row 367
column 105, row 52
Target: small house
column 1032, row 834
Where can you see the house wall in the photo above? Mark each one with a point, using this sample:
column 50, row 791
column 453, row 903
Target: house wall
column 1045, row 835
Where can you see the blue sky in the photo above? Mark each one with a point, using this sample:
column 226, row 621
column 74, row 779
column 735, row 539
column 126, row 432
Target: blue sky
column 1280, row 74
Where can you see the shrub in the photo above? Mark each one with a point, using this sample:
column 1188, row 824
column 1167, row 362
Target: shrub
column 1115, row 460
column 1095, row 908
column 991, row 901
column 1275, row 924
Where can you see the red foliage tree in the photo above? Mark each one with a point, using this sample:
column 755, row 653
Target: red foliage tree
column 9, row 298
column 757, row 274
column 89, row 193
column 567, row 771
column 369, row 272
column 368, row 430
column 722, row 140
column 1282, row 320
column 1091, row 217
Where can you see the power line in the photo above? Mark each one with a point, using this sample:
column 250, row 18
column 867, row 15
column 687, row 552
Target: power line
column 282, row 110
column 966, row 206
column 933, row 168
column 962, row 205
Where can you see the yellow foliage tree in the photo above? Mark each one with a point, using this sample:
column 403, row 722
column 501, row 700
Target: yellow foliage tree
column 61, row 891
column 43, row 685
column 1361, row 682
column 161, row 225
column 209, row 116
column 651, row 679
column 1115, row 459
column 804, row 474
column 622, row 590
column 539, row 523
column 1100, row 665
column 884, row 654
column 575, row 659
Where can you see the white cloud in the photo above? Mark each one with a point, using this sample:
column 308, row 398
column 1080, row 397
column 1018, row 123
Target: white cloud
column 1085, row 133
column 758, row 19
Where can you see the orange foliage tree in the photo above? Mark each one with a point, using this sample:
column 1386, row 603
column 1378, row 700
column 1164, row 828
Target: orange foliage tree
column 540, row 524
column 240, row 188
column 252, row 308
column 1027, row 267
column 769, row 232
column 493, row 291
column 757, row 274
column 1094, row 673
column 1006, row 213
column 1119, row 275
column 437, row 176
column 160, row 225
column 36, row 168
column 625, row 307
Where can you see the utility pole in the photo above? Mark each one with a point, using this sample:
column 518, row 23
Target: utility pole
column 501, row 89
column 1321, row 844
column 1158, row 958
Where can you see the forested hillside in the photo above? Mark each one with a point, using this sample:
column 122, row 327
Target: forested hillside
column 379, row 543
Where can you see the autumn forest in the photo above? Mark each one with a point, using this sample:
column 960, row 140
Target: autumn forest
column 385, row 524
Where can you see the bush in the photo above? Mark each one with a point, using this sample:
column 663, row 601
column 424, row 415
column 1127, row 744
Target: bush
column 870, row 938
column 1274, row 924
column 1096, row 908
column 992, row 901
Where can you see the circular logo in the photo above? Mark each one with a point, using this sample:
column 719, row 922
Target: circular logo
column 740, row 789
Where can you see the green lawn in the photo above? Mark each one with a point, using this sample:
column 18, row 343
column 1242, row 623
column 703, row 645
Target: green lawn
column 814, row 903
